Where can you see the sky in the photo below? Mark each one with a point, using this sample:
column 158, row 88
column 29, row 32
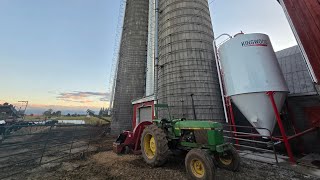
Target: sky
column 58, row 54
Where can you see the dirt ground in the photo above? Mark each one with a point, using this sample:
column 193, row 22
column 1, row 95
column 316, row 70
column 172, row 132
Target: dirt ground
column 107, row 165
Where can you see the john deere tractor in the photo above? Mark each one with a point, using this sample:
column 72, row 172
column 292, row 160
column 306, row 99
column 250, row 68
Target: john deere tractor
column 202, row 140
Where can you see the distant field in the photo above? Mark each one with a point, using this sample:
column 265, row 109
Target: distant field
column 88, row 120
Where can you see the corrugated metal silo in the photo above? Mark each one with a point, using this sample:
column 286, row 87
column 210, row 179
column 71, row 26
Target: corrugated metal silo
column 130, row 79
column 187, row 61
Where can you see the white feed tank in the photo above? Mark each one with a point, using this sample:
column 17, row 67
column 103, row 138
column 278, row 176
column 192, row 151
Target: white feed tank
column 250, row 69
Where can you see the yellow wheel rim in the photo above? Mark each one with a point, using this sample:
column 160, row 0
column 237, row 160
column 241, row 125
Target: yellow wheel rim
column 150, row 147
column 153, row 145
column 226, row 160
column 197, row 168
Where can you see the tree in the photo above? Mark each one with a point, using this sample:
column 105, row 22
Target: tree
column 101, row 112
column 58, row 113
column 48, row 113
column 106, row 111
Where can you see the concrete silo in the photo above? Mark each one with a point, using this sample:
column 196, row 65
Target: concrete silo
column 187, row 61
column 130, row 78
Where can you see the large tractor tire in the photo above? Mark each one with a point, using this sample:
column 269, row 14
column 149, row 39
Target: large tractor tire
column 154, row 146
column 229, row 159
column 199, row 165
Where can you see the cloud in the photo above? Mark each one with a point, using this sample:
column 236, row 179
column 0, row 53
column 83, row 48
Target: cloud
column 67, row 102
column 83, row 96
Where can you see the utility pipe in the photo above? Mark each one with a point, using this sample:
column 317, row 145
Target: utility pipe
column 219, row 74
column 156, row 50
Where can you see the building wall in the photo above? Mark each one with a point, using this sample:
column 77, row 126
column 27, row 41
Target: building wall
column 304, row 18
column 295, row 72
column 186, row 60
column 130, row 81
column 298, row 106
column 303, row 95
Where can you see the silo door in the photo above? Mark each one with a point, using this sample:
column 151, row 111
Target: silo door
column 145, row 114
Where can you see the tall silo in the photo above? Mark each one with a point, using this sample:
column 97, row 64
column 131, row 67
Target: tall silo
column 130, row 78
column 187, row 61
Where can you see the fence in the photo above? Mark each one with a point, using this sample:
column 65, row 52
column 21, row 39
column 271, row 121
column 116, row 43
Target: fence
column 23, row 147
column 250, row 142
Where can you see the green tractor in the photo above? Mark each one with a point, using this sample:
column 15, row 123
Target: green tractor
column 202, row 140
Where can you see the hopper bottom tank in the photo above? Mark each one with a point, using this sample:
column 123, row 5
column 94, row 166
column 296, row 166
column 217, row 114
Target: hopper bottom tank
column 250, row 69
column 258, row 110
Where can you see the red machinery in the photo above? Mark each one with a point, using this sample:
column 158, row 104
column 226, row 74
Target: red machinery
column 129, row 141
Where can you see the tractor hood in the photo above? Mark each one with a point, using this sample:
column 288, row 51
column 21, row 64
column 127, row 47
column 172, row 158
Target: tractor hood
column 206, row 125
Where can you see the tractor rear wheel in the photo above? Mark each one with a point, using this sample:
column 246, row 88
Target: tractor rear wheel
column 199, row 165
column 228, row 160
column 154, row 146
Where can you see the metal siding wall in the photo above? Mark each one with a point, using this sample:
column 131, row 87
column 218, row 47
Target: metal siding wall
column 130, row 82
column 186, row 60
column 295, row 71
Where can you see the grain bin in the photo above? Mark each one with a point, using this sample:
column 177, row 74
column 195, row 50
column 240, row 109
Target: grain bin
column 250, row 69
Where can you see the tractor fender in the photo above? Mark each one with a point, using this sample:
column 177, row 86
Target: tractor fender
column 130, row 139
column 133, row 138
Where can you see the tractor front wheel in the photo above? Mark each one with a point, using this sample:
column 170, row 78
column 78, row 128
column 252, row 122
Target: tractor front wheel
column 154, row 146
column 199, row 165
column 229, row 159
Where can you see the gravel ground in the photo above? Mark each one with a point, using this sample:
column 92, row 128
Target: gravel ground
column 107, row 165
